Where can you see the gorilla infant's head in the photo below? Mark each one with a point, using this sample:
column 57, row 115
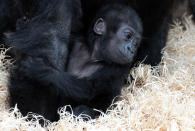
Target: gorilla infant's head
column 117, row 31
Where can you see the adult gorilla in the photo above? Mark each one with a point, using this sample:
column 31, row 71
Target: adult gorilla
column 41, row 46
column 87, row 73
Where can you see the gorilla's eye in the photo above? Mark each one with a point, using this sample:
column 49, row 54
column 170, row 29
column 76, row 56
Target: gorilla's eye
column 128, row 34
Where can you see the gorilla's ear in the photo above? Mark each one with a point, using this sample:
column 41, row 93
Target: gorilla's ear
column 99, row 27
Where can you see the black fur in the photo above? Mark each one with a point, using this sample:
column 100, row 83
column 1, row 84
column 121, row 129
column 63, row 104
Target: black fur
column 109, row 78
column 40, row 81
column 155, row 15
column 192, row 7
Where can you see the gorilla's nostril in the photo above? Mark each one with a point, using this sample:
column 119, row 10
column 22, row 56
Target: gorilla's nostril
column 130, row 50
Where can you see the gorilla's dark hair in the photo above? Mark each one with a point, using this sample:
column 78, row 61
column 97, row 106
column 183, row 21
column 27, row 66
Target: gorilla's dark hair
column 113, row 14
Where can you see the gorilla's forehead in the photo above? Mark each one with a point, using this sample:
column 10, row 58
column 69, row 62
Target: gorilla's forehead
column 115, row 18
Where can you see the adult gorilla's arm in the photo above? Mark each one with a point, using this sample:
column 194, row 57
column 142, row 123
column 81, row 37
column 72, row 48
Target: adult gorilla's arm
column 50, row 75
column 42, row 47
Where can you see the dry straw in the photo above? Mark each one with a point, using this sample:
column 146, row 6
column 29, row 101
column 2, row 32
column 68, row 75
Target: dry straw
column 159, row 98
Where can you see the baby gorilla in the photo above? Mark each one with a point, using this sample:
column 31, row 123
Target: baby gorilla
column 105, row 57
column 90, row 77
